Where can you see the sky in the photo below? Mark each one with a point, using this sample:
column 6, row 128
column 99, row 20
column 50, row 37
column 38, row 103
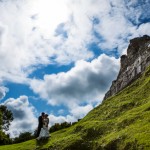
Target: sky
column 61, row 56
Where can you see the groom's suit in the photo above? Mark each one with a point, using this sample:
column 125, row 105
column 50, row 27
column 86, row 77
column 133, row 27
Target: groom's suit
column 40, row 125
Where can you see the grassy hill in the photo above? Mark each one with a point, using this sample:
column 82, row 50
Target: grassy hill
column 121, row 122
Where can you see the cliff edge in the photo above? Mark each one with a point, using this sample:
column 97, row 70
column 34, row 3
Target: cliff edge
column 132, row 65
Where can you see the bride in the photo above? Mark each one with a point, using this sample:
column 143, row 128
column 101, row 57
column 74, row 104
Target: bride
column 44, row 133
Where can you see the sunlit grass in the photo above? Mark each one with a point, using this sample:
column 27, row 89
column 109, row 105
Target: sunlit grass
column 121, row 122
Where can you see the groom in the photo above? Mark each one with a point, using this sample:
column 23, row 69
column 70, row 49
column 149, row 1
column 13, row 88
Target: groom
column 40, row 124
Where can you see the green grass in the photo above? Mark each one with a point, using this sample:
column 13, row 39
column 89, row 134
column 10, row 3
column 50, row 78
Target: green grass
column 121, row 122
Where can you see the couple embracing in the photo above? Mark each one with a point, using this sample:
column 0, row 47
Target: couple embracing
column 42, row 131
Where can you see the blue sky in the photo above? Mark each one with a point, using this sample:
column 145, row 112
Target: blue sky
column 60, row 57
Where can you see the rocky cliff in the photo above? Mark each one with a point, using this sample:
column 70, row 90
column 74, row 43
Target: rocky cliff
column 132, row 65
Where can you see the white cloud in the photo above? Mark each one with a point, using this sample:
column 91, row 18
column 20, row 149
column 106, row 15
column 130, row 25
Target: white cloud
column 116, row 25
column 28, row 31
column 24, row 43
column 18, row 51
column 60, row 119
column 80, row 111
column 61, row 111
column 143, row 29
column 75, row 114
column 48, row 14
column 3, row 91
column 24, row 116
column 85, row 82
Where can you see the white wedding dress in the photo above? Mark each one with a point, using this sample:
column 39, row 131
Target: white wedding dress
column 44, row 133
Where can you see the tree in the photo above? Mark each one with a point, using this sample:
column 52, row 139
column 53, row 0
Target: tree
column 6, row 117
column 60, row 126
column 0, row 120
column 24, row 137
column 4, row 138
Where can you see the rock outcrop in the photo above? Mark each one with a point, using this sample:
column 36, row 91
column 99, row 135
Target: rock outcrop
column 132, row 65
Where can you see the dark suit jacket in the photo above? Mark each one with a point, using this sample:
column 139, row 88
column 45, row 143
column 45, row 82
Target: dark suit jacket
column 40, row 121
column 40, row 125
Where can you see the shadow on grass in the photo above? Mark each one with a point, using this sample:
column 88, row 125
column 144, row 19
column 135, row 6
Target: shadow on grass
column 40, row 143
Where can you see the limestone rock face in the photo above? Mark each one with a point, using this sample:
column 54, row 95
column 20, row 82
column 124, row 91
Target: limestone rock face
column 132, row 65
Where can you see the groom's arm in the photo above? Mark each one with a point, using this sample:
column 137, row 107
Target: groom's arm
column 40, row 120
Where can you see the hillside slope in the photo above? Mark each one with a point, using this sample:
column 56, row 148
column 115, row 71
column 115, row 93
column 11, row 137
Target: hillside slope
column 121, row 122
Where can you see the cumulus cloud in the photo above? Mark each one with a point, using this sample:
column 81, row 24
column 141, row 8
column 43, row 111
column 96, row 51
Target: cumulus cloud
column 16, row 57
column 80, row 111
column 24, row 116
column 60, row 119
column 34, row 42
column 86, row 81
column 75, row 113
column 143, row 29
column 38, row 32
column 1, row 34
column 3, row 91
